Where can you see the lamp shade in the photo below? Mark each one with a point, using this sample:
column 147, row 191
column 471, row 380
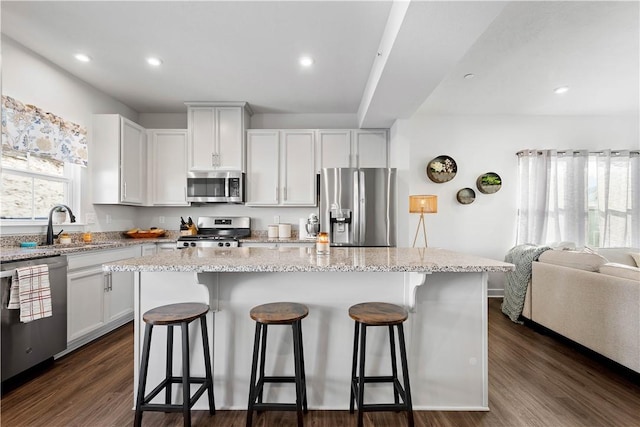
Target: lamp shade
column 423, row 204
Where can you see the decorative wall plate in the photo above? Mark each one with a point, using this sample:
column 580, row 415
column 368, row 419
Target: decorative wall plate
column 442, row 169
column 489, row 183
column 466, row 196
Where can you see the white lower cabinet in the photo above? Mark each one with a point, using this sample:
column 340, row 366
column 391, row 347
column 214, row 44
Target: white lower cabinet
column 97, row 302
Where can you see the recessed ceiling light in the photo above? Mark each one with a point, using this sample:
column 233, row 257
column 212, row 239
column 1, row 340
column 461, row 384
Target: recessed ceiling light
column 306, row 61
column 156, row 62
column 82, row 57
column 560, row 90
column 469, row 76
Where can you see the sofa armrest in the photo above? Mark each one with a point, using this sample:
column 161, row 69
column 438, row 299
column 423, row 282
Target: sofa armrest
column 598, row 311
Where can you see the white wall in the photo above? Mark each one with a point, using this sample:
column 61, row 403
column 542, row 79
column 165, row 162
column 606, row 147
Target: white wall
column 32, row 79
column 163, row 120
column 304, row 121
column 482, row 144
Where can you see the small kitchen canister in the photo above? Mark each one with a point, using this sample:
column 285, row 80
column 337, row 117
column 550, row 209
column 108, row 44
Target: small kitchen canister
column 284, row 231
column 272, row 231
column 322, row 243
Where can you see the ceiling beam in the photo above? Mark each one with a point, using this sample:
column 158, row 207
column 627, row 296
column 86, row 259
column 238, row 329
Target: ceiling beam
column 421, row 44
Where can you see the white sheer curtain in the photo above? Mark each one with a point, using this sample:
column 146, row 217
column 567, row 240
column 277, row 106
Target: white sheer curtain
column 552, row 205
column 618, row 191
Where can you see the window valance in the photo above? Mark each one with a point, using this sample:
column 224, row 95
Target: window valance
column 27, row 128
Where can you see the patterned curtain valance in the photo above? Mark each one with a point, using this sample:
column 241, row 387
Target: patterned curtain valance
column 29, row 129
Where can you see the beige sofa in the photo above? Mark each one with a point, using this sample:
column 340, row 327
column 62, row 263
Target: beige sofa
column 590, row 298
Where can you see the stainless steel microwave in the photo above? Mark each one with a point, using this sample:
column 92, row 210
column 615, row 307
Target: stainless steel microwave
column 215, row 187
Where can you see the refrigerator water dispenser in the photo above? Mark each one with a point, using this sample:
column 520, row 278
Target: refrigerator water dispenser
column 340, row 224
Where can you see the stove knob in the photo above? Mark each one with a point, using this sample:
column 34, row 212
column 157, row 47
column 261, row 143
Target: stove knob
column 193, row 244
column 185, row 244
column 227, row 244
column 220, row 244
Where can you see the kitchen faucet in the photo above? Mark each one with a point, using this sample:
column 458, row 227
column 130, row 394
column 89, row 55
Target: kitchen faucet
column 72, row 218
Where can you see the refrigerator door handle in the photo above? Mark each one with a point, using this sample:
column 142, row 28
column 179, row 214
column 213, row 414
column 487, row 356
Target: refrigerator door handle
column 355, row 219
column 362, row 228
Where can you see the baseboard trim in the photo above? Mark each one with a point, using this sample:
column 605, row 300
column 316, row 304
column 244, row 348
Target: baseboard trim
column 495, row 293
column 93, row 335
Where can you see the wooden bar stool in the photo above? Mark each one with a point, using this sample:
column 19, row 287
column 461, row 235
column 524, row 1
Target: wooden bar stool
column 379, row 314
column 279, row 313
column 171, row 315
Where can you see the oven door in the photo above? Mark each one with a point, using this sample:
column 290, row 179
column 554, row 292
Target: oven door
column 215, row 187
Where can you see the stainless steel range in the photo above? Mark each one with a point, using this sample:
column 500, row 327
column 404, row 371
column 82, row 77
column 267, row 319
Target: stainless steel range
column 217, row 231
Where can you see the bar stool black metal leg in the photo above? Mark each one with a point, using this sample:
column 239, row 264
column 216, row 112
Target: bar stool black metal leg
column 186, row 392
column 394, row 366
column 207, row 364
column 254, row 368
column 297, row 371
column 169, row 366
column 363, row 343
column 263, row 352
column 142, row 374
column 304, row 375
column 354, row 366
column 405, row 375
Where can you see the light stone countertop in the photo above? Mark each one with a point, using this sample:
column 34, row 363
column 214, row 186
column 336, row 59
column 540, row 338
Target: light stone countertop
column 288, row 259
column 16, row 253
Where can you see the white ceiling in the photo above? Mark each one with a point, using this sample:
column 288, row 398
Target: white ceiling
column 248, row 51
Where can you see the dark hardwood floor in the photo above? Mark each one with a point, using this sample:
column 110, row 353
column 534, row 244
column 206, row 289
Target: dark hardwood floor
column 534, row 380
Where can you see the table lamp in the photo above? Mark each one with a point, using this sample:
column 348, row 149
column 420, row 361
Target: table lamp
column 422, row 204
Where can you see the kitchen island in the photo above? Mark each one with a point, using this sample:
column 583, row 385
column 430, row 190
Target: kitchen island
column 445, row 291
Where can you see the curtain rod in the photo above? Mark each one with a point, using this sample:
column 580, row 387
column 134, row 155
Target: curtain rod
column 613, row 152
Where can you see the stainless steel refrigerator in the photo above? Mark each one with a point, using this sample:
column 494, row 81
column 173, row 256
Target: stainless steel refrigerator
column 358, row 206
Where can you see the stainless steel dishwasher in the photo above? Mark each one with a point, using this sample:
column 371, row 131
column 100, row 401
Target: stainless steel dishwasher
column 26, row 344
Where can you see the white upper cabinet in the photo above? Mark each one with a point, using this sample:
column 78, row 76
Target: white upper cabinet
column 333, row 149
column 168, row 167
column 370, row 148
column 118, row 160
column 263, row 168
column 356, row 148
column 281, row 168
column 216, row 138
column 297, row 169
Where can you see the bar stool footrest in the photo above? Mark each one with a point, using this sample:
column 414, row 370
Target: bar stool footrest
column 383, row 407
column 278, row 379
column 167, row 382
column 275, row 407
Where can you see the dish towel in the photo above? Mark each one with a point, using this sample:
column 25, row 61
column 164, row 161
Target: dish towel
column 31, row 293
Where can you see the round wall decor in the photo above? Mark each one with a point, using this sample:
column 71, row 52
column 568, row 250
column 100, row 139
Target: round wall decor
column 442, row 169
column 466, row 196
column 489, row 183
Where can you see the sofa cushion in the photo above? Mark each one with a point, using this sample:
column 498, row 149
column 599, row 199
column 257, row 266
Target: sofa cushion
column 619, row 255
column 636, row 258
column 620, row 270
column 573, row 259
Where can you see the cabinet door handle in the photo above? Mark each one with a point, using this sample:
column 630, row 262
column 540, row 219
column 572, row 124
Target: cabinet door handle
column 285, row 193
column 110, row 282
column 106, row 282
column 125, row 190
column 277, row 194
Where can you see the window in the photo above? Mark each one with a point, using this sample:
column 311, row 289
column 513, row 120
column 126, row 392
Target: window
column 580, row 197
column 32, row 185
